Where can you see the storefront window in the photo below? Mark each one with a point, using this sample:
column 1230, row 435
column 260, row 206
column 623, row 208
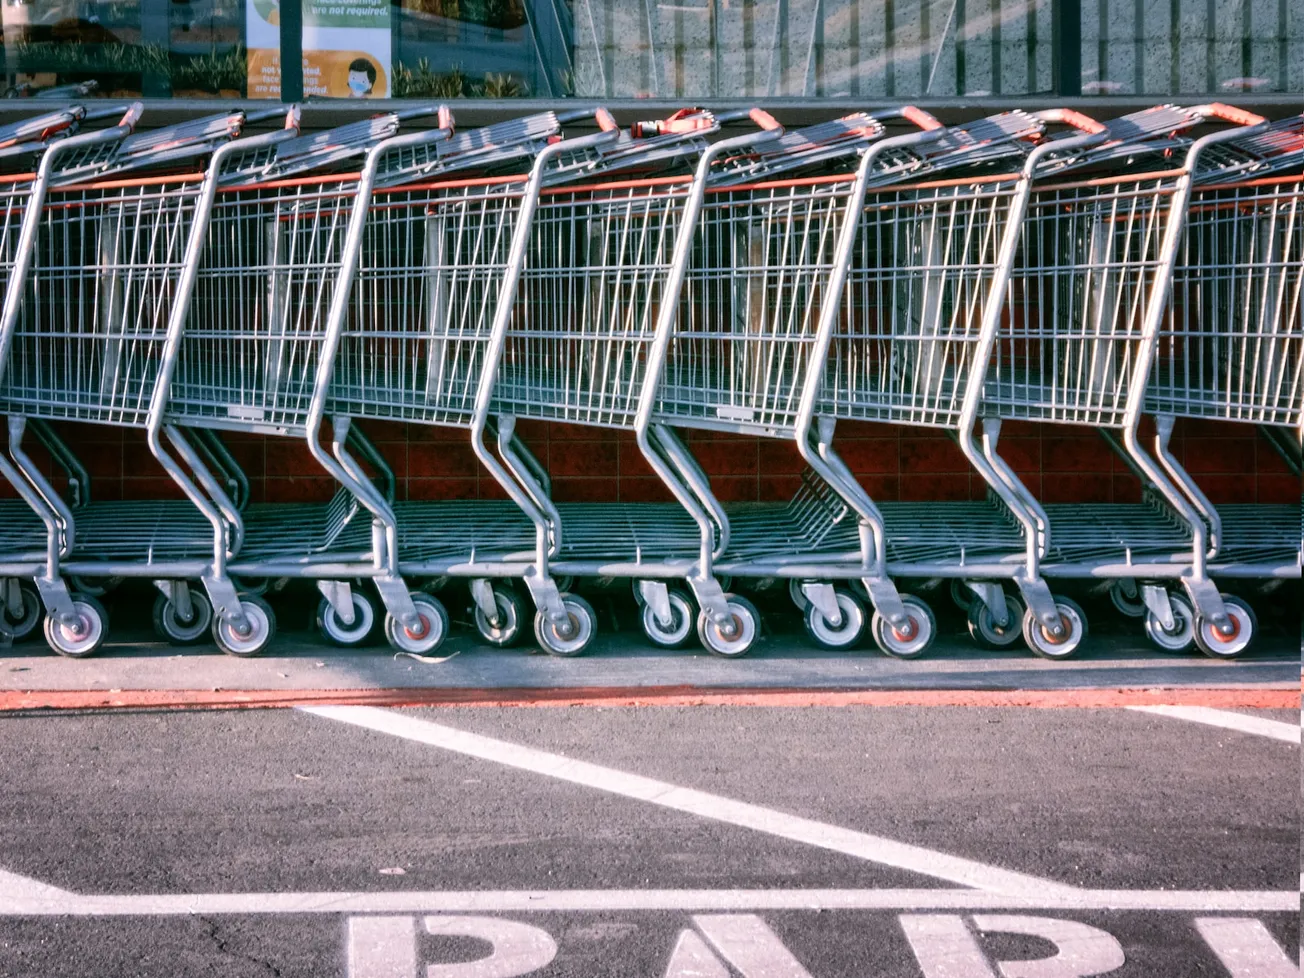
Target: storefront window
column 671, row 49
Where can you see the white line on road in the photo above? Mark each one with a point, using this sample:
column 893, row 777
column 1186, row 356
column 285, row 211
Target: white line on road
column 1241, row 722
column 596, row 901
column 861, row 845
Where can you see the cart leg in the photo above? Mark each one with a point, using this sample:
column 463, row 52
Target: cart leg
column 1037, row 596
column 1206, row 600
column 886, row 599
column 710, row 598
column 1157, row 603
column 54, row 594
column 824, row 598
column 226, row 603
column 657, row 596
column 340, row 596
column 178, row 592
column 547, row 598
column 992, row 595
column 482, row 593
column 396, row 598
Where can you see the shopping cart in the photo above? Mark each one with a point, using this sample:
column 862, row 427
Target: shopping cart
column 1231, row 348
column 22, row 535
column 527, row 268
column 911, row 342
column 83, row 337
column 1074, row 344
column 746, row 339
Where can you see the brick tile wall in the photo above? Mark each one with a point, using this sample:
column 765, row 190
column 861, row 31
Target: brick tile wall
column 1231, row 463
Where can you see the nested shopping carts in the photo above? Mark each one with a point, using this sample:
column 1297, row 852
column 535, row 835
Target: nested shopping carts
column 102, row 231
column 1076, row 344
column 527, row 290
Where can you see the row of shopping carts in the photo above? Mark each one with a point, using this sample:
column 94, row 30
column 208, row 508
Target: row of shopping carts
column 707, row 271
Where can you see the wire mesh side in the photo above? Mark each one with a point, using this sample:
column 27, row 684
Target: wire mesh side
column 257, row 319
column 432, row 264
column 1232, row 343
column 751, row 305
column 586, row 309
column 89, row 339
column 1088, row 261
column 914, row 301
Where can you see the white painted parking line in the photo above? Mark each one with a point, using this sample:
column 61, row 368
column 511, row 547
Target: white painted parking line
column 862, row 845
column 1241, row 722
column 599, row 901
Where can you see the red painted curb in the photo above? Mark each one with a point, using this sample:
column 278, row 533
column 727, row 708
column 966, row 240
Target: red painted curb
column 195, row 699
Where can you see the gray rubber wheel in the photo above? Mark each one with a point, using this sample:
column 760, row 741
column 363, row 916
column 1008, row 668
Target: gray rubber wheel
column 1244, row 628
column 258, row 634
column 347, row 636
column 985, row 631
column 569, row 638
column 1127, row 605
column 680, row 630
column 837, row 638
column 22, row 622
column 1048, row 646
column 83, row 637
column 912, row 640
column 429, row 633
column 739, row 640
column 506, row 631
column 1182, row 636
column 169, row 626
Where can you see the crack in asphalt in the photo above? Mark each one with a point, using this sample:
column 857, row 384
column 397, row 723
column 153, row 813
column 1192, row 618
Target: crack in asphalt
column 212, row 933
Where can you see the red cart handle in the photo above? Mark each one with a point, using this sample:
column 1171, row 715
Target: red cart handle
column 1230, row 114
column 1071, row 117
column 924, row 120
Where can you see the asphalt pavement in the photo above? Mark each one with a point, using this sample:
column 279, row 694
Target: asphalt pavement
column 903, row 842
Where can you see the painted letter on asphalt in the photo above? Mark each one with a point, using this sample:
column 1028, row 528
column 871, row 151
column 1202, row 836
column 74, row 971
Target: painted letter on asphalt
column 1245, row 948
column 518, row 948
column 945, row 947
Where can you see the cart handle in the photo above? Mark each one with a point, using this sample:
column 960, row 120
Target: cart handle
column 682, row 121
column 599, row 115
column 917, row 116
column 1230, row 114
column 1072, row 117
column 292, row 115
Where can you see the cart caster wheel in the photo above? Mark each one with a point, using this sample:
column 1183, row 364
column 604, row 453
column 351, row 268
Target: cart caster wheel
column 912, row 640
column 259, row 631
column 1128, row 605
column 677, row 634
column 1244, row 625
column 169, row 626
column 506, row 631
column 23, row 621
column 1182, row 635
column 961, row 596
column 571, row 637
column 85, row 636
column 984, row 630
column 347, row 636
column 93, row 587
column 428, row 635
column 844, row 636
column 746, row 629
column 1046, row 645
